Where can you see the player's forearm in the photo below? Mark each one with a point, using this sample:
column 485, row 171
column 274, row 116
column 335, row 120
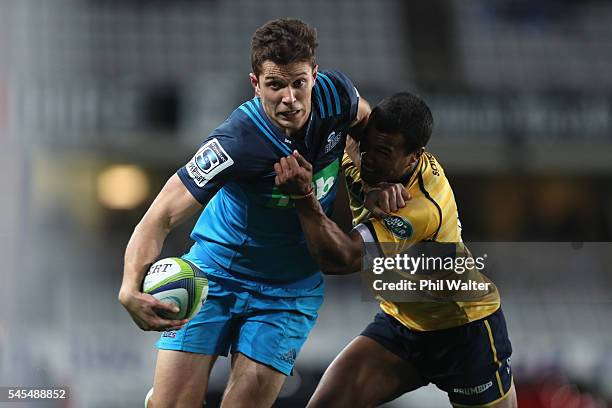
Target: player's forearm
column 173, row 205
column 143, row 249
column 335, row 251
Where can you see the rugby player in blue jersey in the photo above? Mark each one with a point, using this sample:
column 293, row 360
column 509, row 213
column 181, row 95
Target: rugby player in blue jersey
column 264, row 287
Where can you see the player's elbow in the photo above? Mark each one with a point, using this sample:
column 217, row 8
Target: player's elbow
column 341, row 265
column 336, row 270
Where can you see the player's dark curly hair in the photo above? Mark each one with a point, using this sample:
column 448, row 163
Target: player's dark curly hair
column 283, row 41
column 407, row 114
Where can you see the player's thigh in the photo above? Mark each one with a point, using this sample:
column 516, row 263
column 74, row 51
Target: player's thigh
column 475, row 370
column 276, row 330
column 181, row 379
column 508, row 402
column 251, row 384
column 365, row 374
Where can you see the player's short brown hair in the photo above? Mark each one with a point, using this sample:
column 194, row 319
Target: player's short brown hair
column 283, row 42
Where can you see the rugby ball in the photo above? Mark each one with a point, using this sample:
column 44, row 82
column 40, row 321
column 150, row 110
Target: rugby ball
column 177, row 281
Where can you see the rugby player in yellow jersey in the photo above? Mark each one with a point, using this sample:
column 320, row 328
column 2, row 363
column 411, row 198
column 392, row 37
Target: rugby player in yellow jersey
column 460, row 346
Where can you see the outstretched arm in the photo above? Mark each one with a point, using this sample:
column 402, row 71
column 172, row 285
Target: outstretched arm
column 173, row 205
column 336, row 252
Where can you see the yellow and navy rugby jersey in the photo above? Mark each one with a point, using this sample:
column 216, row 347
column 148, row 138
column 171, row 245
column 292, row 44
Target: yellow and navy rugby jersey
column 430, row 215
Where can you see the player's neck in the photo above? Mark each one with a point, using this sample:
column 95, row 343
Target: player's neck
column 296, row 134
column 407, row 175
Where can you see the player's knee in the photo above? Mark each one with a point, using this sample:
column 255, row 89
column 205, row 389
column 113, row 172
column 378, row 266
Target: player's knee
column 334, row 399
column 254, row 377
column 252, row 389
column 244, row 389
column 332, row 393
column 147, row 398
column 157, row 401
column 318, row 401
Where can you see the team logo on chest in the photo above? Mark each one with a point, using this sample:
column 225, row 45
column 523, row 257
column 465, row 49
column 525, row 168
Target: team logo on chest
column 332, row 140
column 209, row 161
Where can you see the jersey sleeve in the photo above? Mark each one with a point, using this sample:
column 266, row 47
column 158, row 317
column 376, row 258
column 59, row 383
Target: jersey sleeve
column 217, row 161
column 336, row 96
column 417, row 221
column 352, row 177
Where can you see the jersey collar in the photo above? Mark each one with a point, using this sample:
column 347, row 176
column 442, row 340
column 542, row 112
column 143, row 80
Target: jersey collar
column 410, row 177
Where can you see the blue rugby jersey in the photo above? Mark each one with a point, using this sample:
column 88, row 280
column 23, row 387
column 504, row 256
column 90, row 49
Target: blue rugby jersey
column 248, row 227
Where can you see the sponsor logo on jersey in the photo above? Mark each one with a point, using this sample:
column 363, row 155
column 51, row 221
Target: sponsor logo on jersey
column 209, row 161
column 323, row 181
column 332, row 140
column 479, row 389
column 399, row 226
column 432, row 163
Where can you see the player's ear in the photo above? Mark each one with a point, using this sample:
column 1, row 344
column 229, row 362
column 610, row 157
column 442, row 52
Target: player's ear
column 415, row 156
column 315, row 70
column 254, row 83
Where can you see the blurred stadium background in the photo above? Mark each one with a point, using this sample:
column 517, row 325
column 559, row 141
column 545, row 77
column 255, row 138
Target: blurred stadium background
column 101, row 101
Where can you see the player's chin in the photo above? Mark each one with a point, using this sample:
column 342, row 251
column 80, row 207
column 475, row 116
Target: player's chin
column 293, row 122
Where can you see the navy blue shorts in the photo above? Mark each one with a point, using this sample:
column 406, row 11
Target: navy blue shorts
column 470, row 362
